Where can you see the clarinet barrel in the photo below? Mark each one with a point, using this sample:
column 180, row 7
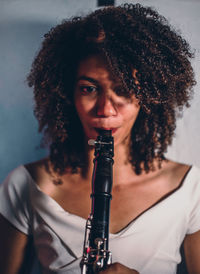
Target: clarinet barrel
column 96, row 254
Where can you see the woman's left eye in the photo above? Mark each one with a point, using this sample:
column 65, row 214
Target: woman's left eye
column 88, row 89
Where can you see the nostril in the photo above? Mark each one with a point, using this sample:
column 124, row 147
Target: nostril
column 106, row 110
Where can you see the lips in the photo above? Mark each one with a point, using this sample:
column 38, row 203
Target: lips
column 102, row 128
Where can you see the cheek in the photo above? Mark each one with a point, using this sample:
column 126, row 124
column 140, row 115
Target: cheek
column 130, row 114
column 80, row 105
column 83, row 107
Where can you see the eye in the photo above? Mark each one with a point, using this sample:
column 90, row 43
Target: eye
column 85, row 90
column 118, row 90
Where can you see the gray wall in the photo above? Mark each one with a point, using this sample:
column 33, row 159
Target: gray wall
column 22, row 25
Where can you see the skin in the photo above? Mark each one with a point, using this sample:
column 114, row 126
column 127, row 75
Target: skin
column 13, row 250
column 98, row 106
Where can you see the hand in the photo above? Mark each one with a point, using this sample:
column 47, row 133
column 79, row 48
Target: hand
column 118, row 268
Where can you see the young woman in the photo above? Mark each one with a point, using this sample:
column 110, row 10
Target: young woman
column 126, row 70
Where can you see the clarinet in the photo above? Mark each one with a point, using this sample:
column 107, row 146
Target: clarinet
column 96, row 254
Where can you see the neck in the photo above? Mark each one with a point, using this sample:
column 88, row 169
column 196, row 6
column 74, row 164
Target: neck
column 122, row 171
column 122, row 168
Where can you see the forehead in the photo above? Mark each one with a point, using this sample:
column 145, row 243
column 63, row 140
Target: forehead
column 96, row 67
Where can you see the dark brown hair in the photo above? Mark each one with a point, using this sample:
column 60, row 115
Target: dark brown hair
column 129, row 36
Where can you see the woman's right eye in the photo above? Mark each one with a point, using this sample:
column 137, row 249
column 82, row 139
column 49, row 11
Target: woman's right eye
column 85, row 90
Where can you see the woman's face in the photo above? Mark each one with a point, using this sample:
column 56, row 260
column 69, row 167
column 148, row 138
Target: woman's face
column 97, row 104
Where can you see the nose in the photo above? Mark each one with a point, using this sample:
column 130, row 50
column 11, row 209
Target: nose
column 105, row 106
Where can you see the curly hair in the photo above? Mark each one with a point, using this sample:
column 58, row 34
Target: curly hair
column 130, row 37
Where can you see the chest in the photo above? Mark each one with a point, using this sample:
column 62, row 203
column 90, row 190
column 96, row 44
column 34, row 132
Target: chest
column 157, row 231
column 126, row 205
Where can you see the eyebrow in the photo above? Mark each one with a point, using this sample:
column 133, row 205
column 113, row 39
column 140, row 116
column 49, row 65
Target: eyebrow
column 96, row 82
column 83, row 77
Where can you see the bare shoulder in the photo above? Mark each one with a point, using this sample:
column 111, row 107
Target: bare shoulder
column 47, row 179
column 173, row 167
column 175, row 172
column 38, row 169
column 42, row 174
column 66, row 191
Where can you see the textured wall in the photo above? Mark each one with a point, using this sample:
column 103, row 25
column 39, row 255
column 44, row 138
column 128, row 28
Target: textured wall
column 22, row 25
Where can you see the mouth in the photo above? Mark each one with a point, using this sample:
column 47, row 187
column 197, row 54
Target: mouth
column 98, row 130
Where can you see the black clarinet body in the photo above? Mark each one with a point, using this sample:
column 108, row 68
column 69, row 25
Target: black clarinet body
column 96, row 254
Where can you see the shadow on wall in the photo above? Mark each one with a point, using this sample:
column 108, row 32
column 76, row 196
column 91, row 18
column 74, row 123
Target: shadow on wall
column 19, row 139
